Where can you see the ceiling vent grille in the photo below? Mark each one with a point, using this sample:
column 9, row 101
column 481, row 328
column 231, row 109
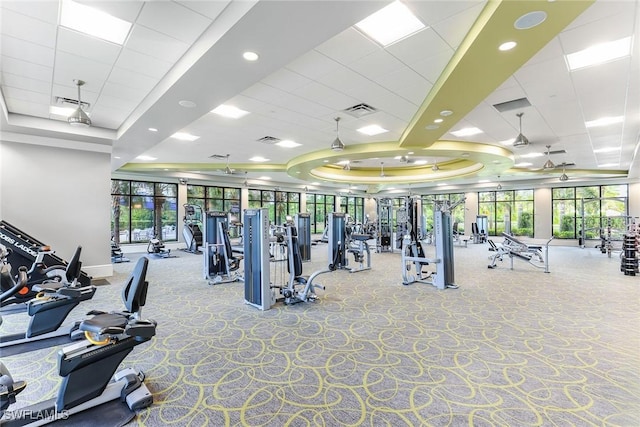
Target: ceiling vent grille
column 71, row 102
column 270, row 140
column 515, row 104
column 360, row 110
column 558, row 152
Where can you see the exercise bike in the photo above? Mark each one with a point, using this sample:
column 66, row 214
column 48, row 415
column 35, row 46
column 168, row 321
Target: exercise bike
column 88, row 368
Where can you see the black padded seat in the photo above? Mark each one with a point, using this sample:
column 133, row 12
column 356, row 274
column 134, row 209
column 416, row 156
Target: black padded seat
column 360, row 237
column 534, row 247
column 102, row 322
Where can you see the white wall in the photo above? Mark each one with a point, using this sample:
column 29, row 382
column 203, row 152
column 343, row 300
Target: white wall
column 542, row 212
column 60, row 197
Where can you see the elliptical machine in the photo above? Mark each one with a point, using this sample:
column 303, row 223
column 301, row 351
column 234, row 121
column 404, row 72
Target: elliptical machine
column 192, row 231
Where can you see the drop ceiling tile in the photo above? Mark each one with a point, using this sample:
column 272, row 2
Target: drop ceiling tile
column 602, row 9
column 20, row 82
column 313, row 65
column 26, row 69
column 564, row 118
column 70, row 67
column 432, row 12
column 113, row 90
column 210, row 9
column 423, row 45
column 173, row 20
column 88, row 47
column 344, row 80
column 406, row 83
column 286, row 80
column 158, row 45
column 348, row 46
column 431, row 68
column 26, row 51
column 325, row 96
column 27, row 108
column 142, row 64
column 376, row 64
column 132, row 79
column 604, row 30
column 602, row 97
column 46, row 11
column 25, row 95
column 27, row 28
column 455, row 28
column 281, row 99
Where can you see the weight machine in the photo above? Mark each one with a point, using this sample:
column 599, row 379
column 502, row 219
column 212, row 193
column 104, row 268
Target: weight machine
column 385, row 221
column 303, row 226
column 413, row 255
column 260, row 280
column 220, row 265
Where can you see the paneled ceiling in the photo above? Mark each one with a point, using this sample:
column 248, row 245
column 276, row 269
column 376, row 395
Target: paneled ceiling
column 182, row 59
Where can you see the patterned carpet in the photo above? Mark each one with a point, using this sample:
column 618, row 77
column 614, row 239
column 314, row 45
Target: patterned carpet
column 508, row 348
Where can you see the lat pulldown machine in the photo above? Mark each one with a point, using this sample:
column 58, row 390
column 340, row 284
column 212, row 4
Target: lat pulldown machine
column 220, row 265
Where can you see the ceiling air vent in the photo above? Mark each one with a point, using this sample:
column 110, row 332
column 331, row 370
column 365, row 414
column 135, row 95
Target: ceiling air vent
column 558, row 152
column 71, row 102
column 360, row 110
column 515, row 104
column 269, row 140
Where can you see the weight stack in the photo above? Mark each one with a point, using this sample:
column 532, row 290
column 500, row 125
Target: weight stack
column 629, row 263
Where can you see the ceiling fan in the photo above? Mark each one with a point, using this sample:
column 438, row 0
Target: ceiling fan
column 227, row 170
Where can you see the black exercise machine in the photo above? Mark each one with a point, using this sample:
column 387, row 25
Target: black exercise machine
column 514, row 248
column 192, row 232
column 88, row 368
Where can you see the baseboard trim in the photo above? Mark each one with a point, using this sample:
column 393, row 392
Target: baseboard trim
column 98, row 271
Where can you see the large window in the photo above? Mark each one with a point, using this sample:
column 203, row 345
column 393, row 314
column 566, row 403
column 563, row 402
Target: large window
column 319, row 206
column 598, row 209
column 507, row 211
column 279, row 203
column 222, row 199
column 457, row 216
column 354, row 206
column 142, row 210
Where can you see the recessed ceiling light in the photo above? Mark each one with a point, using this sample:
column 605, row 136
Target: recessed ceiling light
column 530, row 20
column 390, row 24
column 604, row 121
column 259, row 159
column 606, row 149
column 116, row 157
column 87, row 20
column 523, row 164
column 229, row 111
column 265, row 178
column 153, row 130
column 599, row 54
column 420, row 162
column 607, row 165
column 391, row 188
column 466, row 132
column 165, row 169
column 183, row 136
column 186, row 103
column 507, row 46
column 325, row 161
column 372, row 130
column 250, row 56
column 483, row 181
column 315, row 183
column 60, row 111
column 440, row 184
column 531, row 155
column 287, row 143
column 465, row 155
column 397, row 157
column 147, row 158
column 438, row 121
column 432, row 127
column 446, row 113
column 410, row 153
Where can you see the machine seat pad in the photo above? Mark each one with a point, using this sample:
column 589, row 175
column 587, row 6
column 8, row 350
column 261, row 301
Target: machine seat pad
column 49, row 286
column 302, row 279
column 360, row 237
column 100, row 322
column 534, row 247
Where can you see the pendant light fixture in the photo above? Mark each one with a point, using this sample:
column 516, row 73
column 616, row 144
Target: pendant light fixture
column 246, row 182
column 499, row 186
column 564, row 176
column 548, row 164
column 382, row 175
column 347, row 166
column 337, row 145
column 435, row 167
column 521, row 140
column 227, row 169
column 79, row 117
